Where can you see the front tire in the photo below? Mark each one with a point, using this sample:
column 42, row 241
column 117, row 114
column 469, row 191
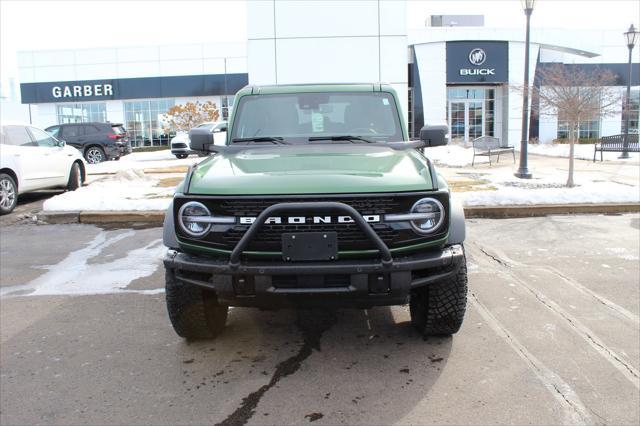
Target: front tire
column 94, row 155
column 8, row 193
column 75, row 178
column 181, row 156
column 438, row 309
column 194, row 312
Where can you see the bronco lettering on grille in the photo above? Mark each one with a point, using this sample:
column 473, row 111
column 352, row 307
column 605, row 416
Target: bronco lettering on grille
column 301, row 220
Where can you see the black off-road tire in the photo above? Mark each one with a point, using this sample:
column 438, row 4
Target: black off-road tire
column 194, row 312
column 438, row 309
column 75, row 178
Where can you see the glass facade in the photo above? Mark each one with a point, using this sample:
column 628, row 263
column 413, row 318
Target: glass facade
column 471, row 112
column 81, row 113
column 145, row 123
column 587, row 129
column 226, row 106
column 634, row 112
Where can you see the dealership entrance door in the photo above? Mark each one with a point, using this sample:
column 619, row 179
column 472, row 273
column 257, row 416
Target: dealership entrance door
column 470, row 113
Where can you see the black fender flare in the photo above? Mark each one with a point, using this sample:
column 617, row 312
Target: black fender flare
column 168, row 229
column 457, row 228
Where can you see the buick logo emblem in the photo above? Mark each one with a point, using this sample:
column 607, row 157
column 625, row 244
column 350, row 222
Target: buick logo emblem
column 477, row 56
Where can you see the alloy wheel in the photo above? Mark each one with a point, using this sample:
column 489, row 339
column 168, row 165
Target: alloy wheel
column 7, row 193
column 94, row 156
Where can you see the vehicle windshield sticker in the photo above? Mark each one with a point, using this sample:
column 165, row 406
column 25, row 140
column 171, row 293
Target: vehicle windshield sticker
column 385, row 101
column 317, row 122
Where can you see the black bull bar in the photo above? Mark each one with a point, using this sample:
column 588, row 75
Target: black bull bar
column 385, row 253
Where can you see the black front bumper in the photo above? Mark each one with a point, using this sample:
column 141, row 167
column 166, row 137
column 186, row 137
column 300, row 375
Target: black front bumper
column 349, row 283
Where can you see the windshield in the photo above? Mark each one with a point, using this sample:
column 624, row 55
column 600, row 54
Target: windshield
column 316, row 116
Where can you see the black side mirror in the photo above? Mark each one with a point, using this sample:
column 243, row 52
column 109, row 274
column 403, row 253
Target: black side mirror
column 200, row 139
column 434, row 135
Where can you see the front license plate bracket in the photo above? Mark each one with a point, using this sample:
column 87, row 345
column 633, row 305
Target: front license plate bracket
column 309, row 246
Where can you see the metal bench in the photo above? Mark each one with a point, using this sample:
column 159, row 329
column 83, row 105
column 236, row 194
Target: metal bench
column 488, row 146
column 615, row 143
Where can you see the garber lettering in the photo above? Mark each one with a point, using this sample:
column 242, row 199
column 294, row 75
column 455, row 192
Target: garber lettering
column 82, row 91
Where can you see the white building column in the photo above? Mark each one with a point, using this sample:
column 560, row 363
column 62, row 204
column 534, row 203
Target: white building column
column 516, row 80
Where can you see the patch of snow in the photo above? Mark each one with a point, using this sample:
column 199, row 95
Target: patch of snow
column 453, row 156
column 76, row 276
column 592, row 193
column 126, row 190
column 142, row 160
column 582, row 152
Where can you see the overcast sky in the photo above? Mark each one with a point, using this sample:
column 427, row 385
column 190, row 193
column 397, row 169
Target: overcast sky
column 35, row 25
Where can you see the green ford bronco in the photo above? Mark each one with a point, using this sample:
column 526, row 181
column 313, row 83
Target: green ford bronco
column 314, row 197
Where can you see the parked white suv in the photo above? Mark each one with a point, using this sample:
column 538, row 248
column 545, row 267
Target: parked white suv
column 31, row 159
column 180, row 144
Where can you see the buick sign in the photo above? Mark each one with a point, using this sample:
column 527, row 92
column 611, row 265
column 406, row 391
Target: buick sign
column 477, row 56
column 477, row 62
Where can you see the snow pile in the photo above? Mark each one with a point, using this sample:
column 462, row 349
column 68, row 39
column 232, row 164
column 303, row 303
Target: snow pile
column 591, row 193
column 126, row 190
column 582, row 152
column 453, row 156
column 141, row 160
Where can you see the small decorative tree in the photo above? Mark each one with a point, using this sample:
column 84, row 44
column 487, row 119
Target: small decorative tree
column 187, row 116
column 578, row 96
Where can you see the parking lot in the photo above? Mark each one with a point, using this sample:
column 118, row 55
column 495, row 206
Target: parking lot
column 551, row 336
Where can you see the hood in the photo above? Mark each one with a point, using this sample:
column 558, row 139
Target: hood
column 312, row 169
column 180, row 137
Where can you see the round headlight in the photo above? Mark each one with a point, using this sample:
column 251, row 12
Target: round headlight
column 429, row 215
column 188, row 219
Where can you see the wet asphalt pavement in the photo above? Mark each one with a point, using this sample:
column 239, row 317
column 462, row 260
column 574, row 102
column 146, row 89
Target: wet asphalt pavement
column 551, row 336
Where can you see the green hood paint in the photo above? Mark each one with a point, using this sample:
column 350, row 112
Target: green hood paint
column 312, row 169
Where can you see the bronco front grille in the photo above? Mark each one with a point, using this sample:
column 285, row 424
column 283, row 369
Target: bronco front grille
column 350, row 237
column 254, row 206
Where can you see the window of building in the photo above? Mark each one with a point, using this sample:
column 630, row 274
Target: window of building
column 145, row 122
column 471, row 112
column 226, row 106
column 588, row 129
column 82, row 113
column 634, row 112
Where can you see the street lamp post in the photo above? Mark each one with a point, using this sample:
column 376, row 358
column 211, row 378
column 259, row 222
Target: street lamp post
column 523, row 171
column 630, row 37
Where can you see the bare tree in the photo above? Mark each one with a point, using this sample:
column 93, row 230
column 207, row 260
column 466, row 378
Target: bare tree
column 189, row 115
column 576, row 95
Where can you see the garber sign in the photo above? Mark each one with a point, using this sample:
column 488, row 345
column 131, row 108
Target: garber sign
column 477, row 62
column 82, row 91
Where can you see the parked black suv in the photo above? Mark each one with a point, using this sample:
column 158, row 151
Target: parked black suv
column 97, row 141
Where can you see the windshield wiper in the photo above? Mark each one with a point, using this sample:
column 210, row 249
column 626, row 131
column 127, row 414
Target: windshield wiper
column 272, row 139
column 340, row 138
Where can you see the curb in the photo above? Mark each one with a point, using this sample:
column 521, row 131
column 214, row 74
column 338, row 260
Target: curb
column 156, row 217
column 503, row 212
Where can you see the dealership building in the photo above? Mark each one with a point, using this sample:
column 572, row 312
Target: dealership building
column 457, row 72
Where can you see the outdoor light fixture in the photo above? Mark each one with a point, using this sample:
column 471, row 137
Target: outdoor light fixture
column 523, row 170
column 527, row 5
column 631, row 36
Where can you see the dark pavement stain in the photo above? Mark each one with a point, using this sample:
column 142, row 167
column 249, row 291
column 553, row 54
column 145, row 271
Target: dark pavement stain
column 312, row 324
column 404, row 370
column 314, row 416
